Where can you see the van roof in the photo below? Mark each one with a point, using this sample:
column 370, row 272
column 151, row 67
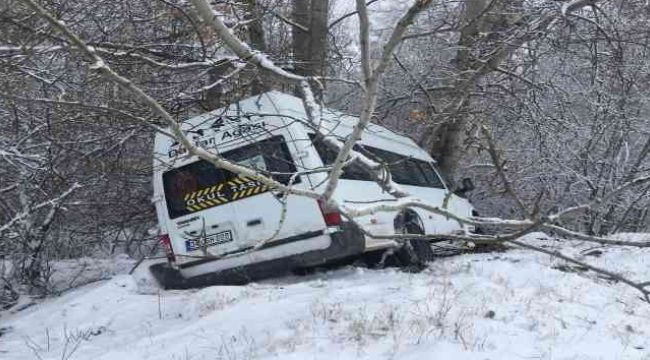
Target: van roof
column 275, row 104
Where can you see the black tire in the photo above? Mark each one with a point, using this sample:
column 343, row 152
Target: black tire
column 415, row 253
column 422, row 249
column 167, row 277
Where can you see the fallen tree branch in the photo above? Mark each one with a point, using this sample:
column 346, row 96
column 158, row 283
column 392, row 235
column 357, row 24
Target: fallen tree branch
column 642, row 287
column 372, row 77
column 312, row 108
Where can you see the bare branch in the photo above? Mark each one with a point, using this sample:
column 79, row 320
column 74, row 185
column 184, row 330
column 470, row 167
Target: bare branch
column 364, row 28
column 498, row 164
column 372, row 79
column 641, row 286
column 100, row 66
column 53, row 203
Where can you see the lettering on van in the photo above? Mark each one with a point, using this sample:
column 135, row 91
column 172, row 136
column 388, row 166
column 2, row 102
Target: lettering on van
column 226, row 135
column 221, row 121
column 205, row 143
column 236, row 189
column 242, row 130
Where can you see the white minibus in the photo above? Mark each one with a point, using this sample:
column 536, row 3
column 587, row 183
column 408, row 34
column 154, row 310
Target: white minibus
column 221, row 228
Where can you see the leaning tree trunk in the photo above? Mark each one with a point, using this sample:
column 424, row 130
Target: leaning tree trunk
column 447, row 141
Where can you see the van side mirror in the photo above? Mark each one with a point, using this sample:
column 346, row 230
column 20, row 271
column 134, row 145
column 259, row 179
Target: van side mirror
column 466, row 185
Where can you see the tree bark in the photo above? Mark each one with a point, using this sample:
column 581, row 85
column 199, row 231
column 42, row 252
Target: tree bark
column 483, row 23
column 257, row 40
column 310, row 47
column 318, row 37
column 301, row 15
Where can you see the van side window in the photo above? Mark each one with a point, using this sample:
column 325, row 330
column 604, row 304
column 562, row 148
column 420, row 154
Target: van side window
column 406, row 170
column 270, row 157
column 433, row 180
column 351, row 172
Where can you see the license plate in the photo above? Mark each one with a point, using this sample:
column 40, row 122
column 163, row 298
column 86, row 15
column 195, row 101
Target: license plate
column 209, row 240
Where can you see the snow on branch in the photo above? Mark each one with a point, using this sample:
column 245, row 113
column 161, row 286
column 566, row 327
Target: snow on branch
column 240, row 48
column 605, row 199
column 312, row 108
column 346, row 153
column 179, row 66
column 372, row 77
column 53, row 203
column 573, row 5
column 643, row 287
column 101, row 67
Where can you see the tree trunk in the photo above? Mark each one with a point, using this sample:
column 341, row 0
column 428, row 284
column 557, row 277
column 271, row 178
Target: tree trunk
column 310, row 46
column 301, row 16
column 257, row 41
column 222, row 94
column 318, row 37
column 483, row 23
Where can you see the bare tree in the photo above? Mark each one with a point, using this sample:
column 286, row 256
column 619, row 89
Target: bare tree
column 310, row 36
column 215, row 41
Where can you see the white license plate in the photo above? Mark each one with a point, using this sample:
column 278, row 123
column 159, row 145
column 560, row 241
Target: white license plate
column 209, row 240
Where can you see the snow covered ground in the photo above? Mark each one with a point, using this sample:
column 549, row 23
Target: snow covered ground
column 512, row 305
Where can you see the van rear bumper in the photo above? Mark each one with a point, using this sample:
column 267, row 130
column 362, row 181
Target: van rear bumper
column 276, row 258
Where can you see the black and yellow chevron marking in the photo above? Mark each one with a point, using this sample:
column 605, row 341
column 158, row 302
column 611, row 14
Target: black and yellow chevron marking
column 208, row 190
column 240, row 180
column 208, row 203
column 248, row 192
column 216, row 188
column 228, row 194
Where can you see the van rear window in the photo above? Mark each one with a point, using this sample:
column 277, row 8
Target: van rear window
column 200, row 185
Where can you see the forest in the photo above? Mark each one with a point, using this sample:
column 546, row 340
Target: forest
column 542, row 104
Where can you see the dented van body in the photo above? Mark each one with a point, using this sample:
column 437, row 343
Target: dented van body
column 216, row 223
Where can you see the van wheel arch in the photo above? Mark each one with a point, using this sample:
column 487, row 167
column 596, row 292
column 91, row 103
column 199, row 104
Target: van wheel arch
column 416, row 252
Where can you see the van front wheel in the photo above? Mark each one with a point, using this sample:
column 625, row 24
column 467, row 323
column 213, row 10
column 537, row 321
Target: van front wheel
column 416, row 252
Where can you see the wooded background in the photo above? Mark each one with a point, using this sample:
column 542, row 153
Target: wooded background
column 547, row 100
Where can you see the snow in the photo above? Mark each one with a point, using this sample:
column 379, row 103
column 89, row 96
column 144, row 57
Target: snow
column 511, row 305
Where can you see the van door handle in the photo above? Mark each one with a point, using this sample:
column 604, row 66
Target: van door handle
column 254, row 222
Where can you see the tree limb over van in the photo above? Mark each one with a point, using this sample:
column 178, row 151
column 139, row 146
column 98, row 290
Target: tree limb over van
column 346, row 151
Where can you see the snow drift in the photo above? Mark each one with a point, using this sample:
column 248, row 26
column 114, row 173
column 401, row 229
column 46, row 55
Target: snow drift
column 512, row 305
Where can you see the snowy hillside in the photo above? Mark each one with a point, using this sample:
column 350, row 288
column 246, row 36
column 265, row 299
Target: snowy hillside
column 512, row 305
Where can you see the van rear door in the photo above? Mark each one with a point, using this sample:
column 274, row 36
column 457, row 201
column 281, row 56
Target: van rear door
column 219, row 212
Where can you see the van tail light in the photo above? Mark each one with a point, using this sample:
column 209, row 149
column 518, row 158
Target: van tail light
column 331, row 216
column 166, row 243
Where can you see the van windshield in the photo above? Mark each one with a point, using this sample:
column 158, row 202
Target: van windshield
column 200, row 185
